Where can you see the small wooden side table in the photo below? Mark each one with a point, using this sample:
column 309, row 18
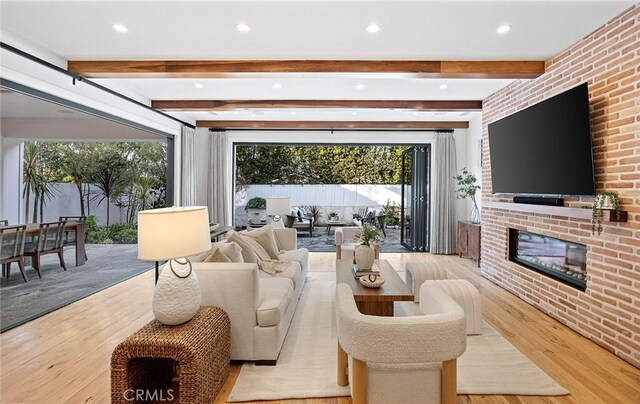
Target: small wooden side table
column 469, row 240
column 197, row 353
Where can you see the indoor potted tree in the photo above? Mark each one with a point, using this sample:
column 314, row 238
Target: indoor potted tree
column 604, row 201
column 467, row 188
column 365, row 253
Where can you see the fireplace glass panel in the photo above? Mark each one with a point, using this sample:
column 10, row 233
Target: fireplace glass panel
column 563, row 260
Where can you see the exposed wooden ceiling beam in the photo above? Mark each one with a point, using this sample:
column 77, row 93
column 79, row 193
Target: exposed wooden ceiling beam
column 333, row 124
column 225, row 105
column 305, row 68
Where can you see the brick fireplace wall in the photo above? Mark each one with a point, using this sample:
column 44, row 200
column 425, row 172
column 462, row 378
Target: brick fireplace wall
column 608, row 312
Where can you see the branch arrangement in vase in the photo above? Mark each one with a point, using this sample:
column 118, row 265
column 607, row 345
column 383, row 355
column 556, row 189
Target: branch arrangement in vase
column 467, row 188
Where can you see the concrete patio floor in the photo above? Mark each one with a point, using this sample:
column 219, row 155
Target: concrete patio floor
column 108, row 264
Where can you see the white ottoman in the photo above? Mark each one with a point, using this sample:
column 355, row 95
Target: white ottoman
column 465, row 294
column 418, row 272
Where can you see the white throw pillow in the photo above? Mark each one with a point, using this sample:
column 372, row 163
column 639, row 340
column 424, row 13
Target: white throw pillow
column 267, row 239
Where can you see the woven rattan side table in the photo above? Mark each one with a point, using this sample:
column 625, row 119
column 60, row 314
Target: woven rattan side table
column 196, row 352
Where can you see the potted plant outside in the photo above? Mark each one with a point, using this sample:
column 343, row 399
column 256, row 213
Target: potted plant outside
column 467, row 188
column 604, row 201
column 256, row 206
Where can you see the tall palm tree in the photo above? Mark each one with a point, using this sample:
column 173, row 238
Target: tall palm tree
column 110, row 179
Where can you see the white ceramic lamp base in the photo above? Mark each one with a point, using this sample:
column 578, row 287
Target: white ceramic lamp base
column 177, row 298
column 277, row 222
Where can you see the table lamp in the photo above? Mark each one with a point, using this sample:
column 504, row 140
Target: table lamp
column 173, row 234
column 276, row 207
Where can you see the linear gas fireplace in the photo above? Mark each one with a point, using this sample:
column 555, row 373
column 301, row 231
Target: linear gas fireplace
column 563, row 260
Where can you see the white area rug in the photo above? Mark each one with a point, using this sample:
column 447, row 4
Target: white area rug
column 307, row 364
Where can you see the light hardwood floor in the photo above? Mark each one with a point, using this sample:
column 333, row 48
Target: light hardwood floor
column 64, row 356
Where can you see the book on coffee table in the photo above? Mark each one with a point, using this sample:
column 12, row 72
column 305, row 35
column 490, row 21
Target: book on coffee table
column 357, row 273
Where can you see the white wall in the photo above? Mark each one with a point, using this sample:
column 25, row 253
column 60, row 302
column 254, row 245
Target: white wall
column 474, row 157
column 327, row 137
column 67, row 203
column 325, row 194
column 11, row 207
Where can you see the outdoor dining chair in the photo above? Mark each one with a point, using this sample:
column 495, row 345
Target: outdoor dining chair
column 49, row 240
column 12, row 249
column 69, row 239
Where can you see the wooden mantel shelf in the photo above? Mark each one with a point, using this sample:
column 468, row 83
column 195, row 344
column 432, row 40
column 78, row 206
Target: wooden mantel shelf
column 575, row 213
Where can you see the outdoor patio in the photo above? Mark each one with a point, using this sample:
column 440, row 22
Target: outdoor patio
column 108, row 264
column 321, row 242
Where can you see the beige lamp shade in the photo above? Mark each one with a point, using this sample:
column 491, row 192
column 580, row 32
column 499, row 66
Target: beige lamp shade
column 279, row 206
column 175, row 232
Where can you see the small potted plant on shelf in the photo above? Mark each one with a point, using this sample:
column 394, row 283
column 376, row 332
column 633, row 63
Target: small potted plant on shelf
column 467, row 188
column 365, row 253
column 604, row 201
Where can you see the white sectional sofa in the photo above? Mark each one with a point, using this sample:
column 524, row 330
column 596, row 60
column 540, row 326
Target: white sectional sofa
column 259, row 305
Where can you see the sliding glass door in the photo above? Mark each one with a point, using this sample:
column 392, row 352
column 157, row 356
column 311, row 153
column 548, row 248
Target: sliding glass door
column 416, row 188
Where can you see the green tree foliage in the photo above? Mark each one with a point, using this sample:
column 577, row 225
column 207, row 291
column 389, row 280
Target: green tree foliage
column 131, row 175
column 257, row 164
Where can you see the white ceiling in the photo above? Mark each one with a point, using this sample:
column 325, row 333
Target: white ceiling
column 307, row 29
column 319, row 88
column 410, row 30
column 26, row 117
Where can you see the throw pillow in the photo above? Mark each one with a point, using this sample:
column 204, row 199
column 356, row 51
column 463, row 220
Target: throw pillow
column 203, row 255
column 257, row 248
column 252, row 252
column 267, row 239
column 248, row 253
column 227, row 252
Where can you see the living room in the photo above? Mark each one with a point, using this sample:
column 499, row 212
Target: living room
column 465, row 314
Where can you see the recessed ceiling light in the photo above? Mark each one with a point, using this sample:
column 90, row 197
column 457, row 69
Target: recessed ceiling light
column 360, row 86
column 354, row 113
column 373, row 28
column 439, row 113
column 119, row 28
column 503, row 29
column 243, row 27
column 277, row 85
column 293, row 112
column 212, row 113
column 198, row 85
column 236, row 113
column 443, row 86
column 415, row 112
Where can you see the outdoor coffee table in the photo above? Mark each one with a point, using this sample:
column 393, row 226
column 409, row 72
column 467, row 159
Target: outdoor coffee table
column 375, row 302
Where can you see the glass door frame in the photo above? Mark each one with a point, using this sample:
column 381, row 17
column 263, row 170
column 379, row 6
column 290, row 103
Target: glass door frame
column 420, row 209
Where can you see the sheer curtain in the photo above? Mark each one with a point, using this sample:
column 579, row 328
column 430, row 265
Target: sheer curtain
column 189, row 178
column 218, row 187
column 444, row 222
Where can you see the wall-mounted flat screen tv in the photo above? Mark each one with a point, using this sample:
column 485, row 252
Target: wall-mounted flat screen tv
column 545, row 149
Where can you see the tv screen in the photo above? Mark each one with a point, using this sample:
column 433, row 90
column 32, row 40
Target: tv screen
column 544, row 149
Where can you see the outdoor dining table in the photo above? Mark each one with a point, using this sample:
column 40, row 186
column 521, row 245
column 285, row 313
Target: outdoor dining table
column 72, row 225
